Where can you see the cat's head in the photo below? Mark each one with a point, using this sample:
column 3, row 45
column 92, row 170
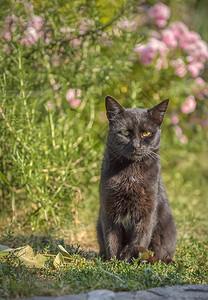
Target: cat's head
column 134, row 133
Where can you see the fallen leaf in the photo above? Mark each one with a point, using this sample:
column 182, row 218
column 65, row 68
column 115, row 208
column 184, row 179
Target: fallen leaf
column 63, row 251
column 58, row 261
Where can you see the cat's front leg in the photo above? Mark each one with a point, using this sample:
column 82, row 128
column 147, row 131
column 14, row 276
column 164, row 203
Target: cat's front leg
column 141, row 236
column 113, row 240
column 164, row 238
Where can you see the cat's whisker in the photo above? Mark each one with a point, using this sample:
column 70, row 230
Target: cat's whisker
column 161, row 158
column 154, row 154
column 149, row 154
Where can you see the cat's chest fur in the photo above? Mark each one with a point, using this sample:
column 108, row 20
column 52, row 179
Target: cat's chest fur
column 131, row 193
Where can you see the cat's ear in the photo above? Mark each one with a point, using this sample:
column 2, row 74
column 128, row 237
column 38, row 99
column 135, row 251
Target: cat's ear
column 157, row 113
column 113, row 108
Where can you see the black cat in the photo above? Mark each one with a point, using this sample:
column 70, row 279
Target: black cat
column 134, row 208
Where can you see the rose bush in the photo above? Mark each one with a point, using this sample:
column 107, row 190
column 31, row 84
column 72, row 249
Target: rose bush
column 173, row 49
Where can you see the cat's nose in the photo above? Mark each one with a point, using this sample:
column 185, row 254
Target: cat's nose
column 136, row 144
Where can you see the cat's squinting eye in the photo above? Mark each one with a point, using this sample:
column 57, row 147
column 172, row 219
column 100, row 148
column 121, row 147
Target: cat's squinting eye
column 125, row 132
column 146, row 134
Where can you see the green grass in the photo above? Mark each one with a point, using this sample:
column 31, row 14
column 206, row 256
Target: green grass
column 86, row 271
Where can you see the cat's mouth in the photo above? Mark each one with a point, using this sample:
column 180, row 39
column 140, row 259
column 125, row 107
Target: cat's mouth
column 135, row 155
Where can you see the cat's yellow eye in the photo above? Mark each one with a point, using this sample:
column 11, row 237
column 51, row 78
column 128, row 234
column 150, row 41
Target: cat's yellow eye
column 125, row 132
column 146, row 134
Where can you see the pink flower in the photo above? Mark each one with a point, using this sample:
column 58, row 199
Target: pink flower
column 199, row 81
column 161, row 23
column 197, row 51
column 47, row 41
column 50, row 106
column 191, row 42
column 56, row 87
column 158, row 45
column 128, row 25
column 205, row 92
column 168, row 38
column 70, row 95
column 201, row 89
column 76, row 42
column 181, row 71
column 183, row 139
column 179, row 66
column 161, row 13
column 11, row 18
column 79, row 92
column 179, row 133
column 189, row 106
column 155, row 34
column 86, row 25
column 190, row 59
column 147, row 54
column 203, row 49
column 200, row 95
column 178, row 130
column 32, row 35
column 174, row 119
column 7, row 48
column 37, row 22
column 161, row 63
column 194, row 68
column 193, row 36
column 188, row 38
column 10, row 22
column 8, row 36
column 74, row 103
column 179, row 29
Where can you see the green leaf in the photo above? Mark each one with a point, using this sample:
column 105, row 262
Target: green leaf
column 63, row 251
column 4, row 180
column 58, row 261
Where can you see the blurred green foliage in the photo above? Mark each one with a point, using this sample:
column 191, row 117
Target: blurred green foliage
column 51, row 151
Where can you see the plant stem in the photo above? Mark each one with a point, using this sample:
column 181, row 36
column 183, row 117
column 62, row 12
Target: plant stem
column 52, row 129
column 23, row 94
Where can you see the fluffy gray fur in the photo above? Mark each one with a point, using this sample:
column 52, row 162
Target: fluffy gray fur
column 134, row 209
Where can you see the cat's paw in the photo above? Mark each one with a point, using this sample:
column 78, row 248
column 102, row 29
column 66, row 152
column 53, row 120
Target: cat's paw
column 167, row 261
column 146, row 257
column 153, row 259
